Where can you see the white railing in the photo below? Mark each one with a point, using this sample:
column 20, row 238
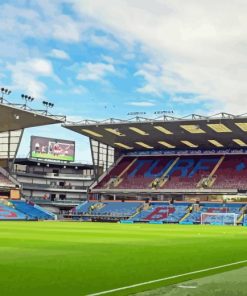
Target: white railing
column 138, row 190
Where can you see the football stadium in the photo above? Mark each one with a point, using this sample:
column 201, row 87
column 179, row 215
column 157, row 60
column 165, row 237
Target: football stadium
column 123, row 148
column 165, row 212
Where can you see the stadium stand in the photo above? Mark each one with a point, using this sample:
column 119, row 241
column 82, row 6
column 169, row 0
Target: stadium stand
column 165, row 211
column 184, row 172
column 195, row 216
column 162, row 211
column 9, row 213
column 32, row 211
column 109, row 179
column 112, row 209
column 232, row 173
column 84, row 208
column 16, row 117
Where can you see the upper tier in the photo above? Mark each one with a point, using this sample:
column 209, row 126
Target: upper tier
column 177, row 172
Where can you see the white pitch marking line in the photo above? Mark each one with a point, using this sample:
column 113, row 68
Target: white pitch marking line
column 167, row 278
column 187, row 287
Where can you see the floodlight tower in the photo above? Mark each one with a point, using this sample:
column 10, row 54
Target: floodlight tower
column 47, row 106
column 4, row 92
column 27, row 99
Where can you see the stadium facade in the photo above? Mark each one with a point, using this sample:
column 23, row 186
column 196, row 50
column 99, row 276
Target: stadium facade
column 58, row 186
column 174, row 170
column 169, row 155
column 187, row 170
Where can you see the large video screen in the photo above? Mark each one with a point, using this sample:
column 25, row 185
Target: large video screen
column 55, row 149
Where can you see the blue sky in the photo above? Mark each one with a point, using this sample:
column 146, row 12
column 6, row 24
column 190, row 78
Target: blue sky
column 104, row 58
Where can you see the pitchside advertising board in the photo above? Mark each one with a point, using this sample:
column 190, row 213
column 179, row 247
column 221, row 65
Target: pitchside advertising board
column 54, row 149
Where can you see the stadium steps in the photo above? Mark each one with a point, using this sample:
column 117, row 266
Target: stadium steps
column 119, row 177
column 186, row 215
column 211, row 177
column 96, row 182
column 96, row 206
column 151, row 184
column 217, row 166
column 136, row 213
column 209, row 181
column 201, row 182
column 241, row 217
column 144, row 207
column 206, row 182
column 162, row 179
column 110, row 182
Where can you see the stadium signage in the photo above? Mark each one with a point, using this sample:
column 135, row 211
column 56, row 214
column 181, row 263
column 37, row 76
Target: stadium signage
column 184, row 167
column 51, row 148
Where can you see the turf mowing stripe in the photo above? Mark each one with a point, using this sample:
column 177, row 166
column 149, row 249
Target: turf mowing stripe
column 167, row 278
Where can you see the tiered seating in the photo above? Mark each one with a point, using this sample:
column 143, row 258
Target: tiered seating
column 179, row 213
column 195, row 216
column 118, row 209
column 32, row 211
column 163, row 212
column 144, row 171
column 115, row 172
column 85, row 207
column 182, row 177
column 168, row 172
column 156, row 211
column 111, row 209
column 9, row 213
column 187, row 173
column 232, row 174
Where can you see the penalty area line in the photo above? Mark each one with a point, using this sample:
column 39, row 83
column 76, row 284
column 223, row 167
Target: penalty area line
column 167, row 278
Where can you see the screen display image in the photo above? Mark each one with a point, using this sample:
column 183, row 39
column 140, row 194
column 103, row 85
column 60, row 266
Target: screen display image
column 55, row 149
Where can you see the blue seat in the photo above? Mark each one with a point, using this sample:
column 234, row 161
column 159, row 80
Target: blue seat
column 9, row 213
column 33, row 211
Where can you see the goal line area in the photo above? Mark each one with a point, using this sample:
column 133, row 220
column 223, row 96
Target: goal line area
column 219, row 218
column 168, row 278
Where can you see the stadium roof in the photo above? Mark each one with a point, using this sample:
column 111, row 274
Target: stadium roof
column 221, row 130
column 16, row 117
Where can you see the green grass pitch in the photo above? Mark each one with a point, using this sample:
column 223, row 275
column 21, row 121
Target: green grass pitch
column 71, row 258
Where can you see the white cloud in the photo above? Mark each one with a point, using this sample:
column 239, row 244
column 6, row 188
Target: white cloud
column 189, row 99
column 95, row 71
column 107, row 59
column 198, row 46
column 103, row 41
column 64, row 28
column 41, row 67
column 142, row 104
column 79, row 90
column 59, row 54
column 39, row 20
column 26, row 75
